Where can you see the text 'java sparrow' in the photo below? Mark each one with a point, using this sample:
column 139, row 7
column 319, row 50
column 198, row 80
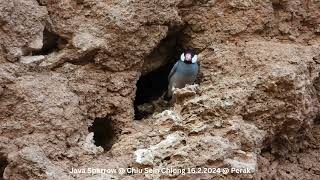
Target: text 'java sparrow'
column 184, row 72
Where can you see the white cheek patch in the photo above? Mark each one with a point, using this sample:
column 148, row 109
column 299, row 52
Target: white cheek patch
column 195, row 58
column 182, row 57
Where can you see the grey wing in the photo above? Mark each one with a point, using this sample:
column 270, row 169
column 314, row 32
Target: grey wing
column 173, row 70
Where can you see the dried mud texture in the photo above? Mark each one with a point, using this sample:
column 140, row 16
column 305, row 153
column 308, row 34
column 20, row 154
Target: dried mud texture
column 68, row 66
column 248, row 99
column 241, row 20
column 303, row 164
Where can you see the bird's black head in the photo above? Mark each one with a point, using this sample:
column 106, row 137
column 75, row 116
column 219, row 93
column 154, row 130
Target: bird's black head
column 190, row 51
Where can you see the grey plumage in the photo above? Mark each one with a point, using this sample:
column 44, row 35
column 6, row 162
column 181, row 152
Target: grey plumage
column 181, row 74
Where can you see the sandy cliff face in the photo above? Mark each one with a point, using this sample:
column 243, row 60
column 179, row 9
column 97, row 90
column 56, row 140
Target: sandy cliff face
column 68, row 81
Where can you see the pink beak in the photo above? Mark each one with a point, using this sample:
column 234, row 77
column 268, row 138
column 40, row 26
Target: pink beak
column 188, row 57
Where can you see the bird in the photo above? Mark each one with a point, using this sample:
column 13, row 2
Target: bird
column 184, row 72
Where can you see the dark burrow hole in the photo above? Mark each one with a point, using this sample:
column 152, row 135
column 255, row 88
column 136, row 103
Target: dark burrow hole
column 3, row 165
column 104, row 132
column 267, row 149
column 51, row 43
column 317, row 120
column 153, row 82
column 149, row 88
column 277, row 5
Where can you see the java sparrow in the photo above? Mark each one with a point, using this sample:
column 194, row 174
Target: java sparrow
column 184, row 72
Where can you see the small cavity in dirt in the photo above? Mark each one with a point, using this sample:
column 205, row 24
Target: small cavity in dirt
column 150, row 89
column 51, row 42
column 3, row 165
column 267, row 149
column 317, row 120
column 104, row 132
column 277, row 5
column 153, row 82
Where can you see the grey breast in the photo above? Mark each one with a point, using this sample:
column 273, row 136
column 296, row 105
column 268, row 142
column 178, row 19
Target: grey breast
column 185, row 74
